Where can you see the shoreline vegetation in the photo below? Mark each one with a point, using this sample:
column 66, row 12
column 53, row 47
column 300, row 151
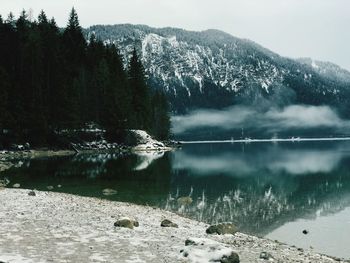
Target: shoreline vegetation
column 95, row 230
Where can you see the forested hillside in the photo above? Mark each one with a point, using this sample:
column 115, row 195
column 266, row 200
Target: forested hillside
column 212, row 69
column 53, row 79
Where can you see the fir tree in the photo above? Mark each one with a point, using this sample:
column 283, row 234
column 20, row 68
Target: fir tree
column 140, row 93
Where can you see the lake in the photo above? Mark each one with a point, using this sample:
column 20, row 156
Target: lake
column 275, row 190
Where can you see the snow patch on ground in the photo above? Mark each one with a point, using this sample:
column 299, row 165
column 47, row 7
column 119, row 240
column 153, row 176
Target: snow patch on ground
column 57, row 227
column 145, row 142
column 205, row 250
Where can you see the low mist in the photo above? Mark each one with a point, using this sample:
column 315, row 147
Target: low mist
column 273, row 120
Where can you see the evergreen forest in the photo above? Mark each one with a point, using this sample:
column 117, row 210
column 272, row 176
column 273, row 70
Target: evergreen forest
column 53, row 79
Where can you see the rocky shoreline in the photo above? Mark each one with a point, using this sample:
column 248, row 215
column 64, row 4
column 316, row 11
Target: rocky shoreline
column 139, row 142
column 55, row 227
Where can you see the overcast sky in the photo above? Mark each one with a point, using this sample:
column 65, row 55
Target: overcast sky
column 295, row 28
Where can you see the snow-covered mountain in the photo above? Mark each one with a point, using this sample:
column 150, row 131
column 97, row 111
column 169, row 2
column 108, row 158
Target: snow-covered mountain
column 327, row 69
column 212, row 69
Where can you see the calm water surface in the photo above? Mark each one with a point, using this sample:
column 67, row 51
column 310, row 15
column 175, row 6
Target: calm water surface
column 267, row 189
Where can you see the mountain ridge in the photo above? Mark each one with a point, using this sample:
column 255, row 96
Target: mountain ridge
column 213, row 69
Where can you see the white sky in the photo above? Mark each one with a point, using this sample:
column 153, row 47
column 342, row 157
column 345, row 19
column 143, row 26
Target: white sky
column 295, row 28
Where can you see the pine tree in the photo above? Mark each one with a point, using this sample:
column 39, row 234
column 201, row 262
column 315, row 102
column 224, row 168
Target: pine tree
column 74, row 41
column 140, row 94
column 119, row 89
column 11, row 19
column 73, row 48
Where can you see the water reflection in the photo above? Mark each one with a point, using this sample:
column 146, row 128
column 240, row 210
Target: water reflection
column 260, row 187
column 238, row 160
column 145, row 159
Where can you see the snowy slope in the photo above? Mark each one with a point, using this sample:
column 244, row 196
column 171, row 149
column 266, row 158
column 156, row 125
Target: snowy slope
column 212, row 69
column 327, row 69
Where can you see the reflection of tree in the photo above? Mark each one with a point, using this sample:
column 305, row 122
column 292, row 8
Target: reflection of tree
column 89, row 174
column 258, row 204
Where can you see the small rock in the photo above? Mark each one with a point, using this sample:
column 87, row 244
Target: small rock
column 49, row 187
column 31, row 193
column 59, row 186
column 232, row 258
column 168, row 223
column 222, row 229
column 127, row 223
column 305, row 232
column 4, row 182
column 189, row 242
column 185, row 200
column 109, row 191
column 265, row 256
column 16, row 186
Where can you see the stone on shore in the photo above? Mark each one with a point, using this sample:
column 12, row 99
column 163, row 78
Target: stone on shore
column 222, row 229
column 168, row 223
column 31, row 193
column 232, row 258
column 265, row 256
column 126, row 223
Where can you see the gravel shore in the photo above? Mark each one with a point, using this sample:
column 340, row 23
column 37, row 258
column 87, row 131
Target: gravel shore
column 56, row 227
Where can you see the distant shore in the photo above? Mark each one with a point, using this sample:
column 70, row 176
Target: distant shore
column 57, row 227
column 249, row 140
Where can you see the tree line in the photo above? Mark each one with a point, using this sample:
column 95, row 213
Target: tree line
column 53, row 79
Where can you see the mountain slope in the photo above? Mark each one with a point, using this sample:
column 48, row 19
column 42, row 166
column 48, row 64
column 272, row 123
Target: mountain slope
column 212, row 69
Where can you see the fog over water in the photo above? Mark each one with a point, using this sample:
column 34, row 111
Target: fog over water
column 273, row 119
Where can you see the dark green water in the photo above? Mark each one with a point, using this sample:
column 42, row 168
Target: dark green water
column 273, row 190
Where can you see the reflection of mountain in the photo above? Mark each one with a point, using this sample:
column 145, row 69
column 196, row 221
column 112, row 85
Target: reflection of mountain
column 263, row 186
